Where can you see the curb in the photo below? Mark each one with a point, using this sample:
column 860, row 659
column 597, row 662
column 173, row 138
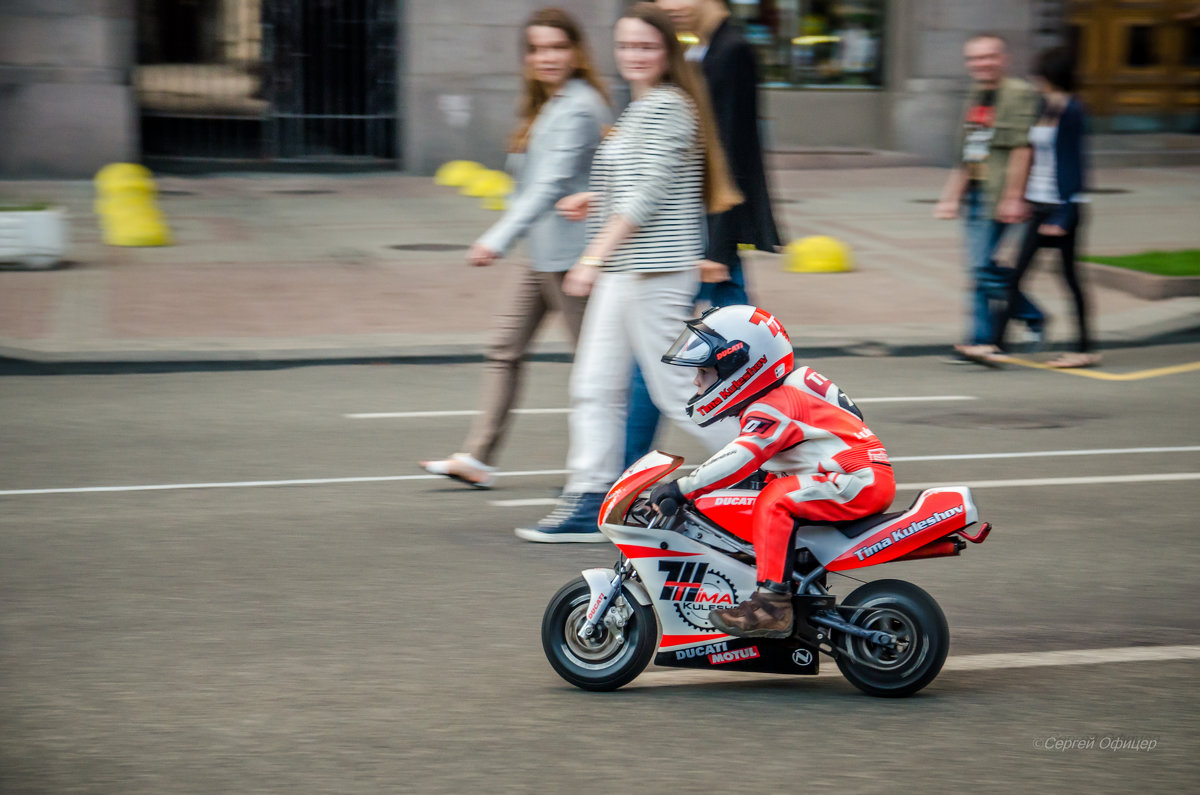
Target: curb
column 12, row 363
column 1150, row 286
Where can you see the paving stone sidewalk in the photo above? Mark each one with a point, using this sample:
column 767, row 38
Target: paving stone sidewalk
column 303, row 267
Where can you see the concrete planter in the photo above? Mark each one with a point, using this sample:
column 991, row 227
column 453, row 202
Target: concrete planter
column 1150, row 286
column 33, row 239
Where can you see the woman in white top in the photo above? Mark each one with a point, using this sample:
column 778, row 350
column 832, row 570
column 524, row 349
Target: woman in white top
column 1056, row 193
column 652, row 181
column 563, row 117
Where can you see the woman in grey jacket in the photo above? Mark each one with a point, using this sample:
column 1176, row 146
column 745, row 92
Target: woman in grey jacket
column 652, row 180
column 563, row 118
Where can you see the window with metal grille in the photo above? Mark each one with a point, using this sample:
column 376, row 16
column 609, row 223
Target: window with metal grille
column 268, row 80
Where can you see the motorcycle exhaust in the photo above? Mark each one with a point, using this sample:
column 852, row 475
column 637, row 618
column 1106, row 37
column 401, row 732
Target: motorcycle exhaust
column 949, row 546
column 942, row 548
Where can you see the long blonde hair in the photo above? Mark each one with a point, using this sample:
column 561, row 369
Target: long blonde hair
column 720, row 192
column 534, row 95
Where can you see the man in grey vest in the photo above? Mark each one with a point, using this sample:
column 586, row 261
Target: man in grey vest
column 987, row 188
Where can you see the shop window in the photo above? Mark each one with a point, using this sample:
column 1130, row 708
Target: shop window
column 1141, row 50
column 1075, row 42
column 1191, row 46
column 815, row 43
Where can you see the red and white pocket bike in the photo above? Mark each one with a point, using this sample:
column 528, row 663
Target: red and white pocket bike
column 888, row 637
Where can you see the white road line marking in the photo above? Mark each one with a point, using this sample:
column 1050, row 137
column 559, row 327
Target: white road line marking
column 968, row 662
column 1037, row 659
column 321, row 482
column 1082, row 481
column 249, row 484
column 401, row 415
column 980, row 484
column 915, row 399
column 524, row 503
column 1048, row 453
column 974, row 484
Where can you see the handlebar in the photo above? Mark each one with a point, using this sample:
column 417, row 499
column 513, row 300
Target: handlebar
column 663, row 520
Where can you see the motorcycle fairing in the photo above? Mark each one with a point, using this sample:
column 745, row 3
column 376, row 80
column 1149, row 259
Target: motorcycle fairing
column 756, row 655
column 646, row 470
column 684, row 580
column 731, row 509
column 935, row 514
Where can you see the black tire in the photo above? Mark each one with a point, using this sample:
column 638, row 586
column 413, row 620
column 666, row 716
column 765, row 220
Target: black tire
column 911, row 614
column 600, row 663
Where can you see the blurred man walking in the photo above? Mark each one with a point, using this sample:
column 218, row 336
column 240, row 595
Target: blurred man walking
column 987, row 188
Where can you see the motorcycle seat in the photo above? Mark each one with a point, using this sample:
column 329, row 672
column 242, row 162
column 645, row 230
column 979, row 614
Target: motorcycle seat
column 857, row 527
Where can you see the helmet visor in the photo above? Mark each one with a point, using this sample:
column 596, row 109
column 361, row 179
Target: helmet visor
column 690, row 349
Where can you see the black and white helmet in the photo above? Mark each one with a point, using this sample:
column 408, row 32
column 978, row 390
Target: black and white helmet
column 750, row 350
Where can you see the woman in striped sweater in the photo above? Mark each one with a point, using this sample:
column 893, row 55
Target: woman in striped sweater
column 652, row 181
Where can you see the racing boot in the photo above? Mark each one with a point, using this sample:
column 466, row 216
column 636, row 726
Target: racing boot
column 765, row 615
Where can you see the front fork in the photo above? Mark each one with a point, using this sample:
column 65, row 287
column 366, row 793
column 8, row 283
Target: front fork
column 605, row 588
column 604, row 591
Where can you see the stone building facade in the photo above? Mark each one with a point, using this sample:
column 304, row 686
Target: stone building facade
column 86, row 82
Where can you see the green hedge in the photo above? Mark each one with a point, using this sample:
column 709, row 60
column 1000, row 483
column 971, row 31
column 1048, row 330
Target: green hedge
column 32, row 207
column 1164, row 263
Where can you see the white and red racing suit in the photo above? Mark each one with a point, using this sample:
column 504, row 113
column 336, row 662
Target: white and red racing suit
column 829, row 466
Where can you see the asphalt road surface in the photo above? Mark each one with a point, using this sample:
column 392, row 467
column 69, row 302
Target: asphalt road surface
column 278, row 616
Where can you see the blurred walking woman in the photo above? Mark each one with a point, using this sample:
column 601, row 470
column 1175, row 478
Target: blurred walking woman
column 1057, row 179
column 563, row 116
column 652, row 181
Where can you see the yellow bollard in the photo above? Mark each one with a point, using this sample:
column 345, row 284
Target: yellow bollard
column 126, row 203
column 118, row 177
column 489, row 185
column 122, row 180
column 136, row 231
column 457, row 173
column 818, row 254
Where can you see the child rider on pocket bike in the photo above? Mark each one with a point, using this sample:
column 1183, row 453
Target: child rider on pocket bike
column 822, row 461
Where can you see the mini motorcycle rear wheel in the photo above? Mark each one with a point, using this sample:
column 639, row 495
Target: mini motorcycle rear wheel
column 914, row 618
column 601, row 662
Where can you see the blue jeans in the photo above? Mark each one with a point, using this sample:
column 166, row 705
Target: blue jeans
column 641, row 424
column 991, row 280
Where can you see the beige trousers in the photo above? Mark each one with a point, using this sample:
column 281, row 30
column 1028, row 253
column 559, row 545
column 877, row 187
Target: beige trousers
column 536, row 294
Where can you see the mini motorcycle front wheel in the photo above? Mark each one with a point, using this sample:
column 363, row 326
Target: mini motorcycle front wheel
column 610, row 658
column 922, row 639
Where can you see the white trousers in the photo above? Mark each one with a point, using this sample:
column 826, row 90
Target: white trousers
column 630, row 316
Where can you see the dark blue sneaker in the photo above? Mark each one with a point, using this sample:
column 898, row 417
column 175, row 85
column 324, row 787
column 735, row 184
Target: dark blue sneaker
column 572, row 522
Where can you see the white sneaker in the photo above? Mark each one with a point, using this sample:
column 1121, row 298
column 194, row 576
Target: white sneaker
column 463, row 468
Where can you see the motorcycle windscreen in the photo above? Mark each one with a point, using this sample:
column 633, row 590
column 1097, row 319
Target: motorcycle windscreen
column 648, row 469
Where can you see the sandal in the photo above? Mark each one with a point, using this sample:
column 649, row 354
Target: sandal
column 988, row 355
column 1072, row 360
column 463, row 468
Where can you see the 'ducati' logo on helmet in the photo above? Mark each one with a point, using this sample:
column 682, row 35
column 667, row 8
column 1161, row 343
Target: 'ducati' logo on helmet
column 734, row 348
column 694, row 589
